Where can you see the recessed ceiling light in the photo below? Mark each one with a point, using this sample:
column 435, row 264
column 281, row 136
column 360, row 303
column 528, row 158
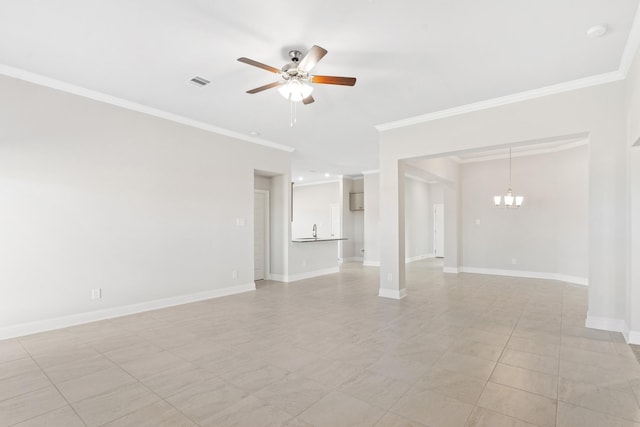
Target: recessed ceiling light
column 199, row 81
column 597, row 31
column 300, row 178
column 327, row 175
column 254, row 133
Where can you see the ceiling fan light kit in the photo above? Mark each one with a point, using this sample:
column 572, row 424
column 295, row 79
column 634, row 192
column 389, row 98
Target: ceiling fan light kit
column 294, row 85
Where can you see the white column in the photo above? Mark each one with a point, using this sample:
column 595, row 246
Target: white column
column 392, row 265
column 452, row 245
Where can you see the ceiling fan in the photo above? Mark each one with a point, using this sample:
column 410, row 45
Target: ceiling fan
column 295, row 75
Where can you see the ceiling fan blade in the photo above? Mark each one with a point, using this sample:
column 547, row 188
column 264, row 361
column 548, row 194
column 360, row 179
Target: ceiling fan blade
column 308, row 100
column 333, row 80
column 259, row 65
column 315, row 54
column 265, row 87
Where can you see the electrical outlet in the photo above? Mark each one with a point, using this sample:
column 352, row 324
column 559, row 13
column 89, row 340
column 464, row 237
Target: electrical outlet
column 240, row 222
column 96, row 293
column 514, row 261
column 389, row 276
column 234, row 274
column 304, row 262
column 477, row 222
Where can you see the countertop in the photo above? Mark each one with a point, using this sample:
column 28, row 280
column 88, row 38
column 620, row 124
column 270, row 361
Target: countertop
column 316, row 239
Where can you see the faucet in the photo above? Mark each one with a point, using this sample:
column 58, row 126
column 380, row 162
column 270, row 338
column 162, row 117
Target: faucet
column 315, row 231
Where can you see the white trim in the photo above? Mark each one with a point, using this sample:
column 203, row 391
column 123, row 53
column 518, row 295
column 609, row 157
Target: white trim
column 632, row 337
column 109, row 313
column 637, row 143
column 505, row 100
column 527, row 274
column 267, row 231
column 308, row 275
column 453, row 270
column 352, row 259
column 306, row 184
column 134, row 106
column 632, row 45
column 533, row 152
column 416, row 178
column 371, row 172
column 604, row 323
column 392, row 293
column 418, row 258
column 368, row 263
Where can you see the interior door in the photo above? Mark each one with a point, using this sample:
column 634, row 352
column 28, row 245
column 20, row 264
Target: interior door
column 438, row 230
column 259, row 235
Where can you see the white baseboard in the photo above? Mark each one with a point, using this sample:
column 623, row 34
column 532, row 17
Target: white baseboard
column 418, row 258
column 632, row 337
column 392, row 293
column 527, row 274
column 302, row 276
column 605, row 323
column 454, row 270
column 109, row 313
column 371, row 263
column 352, row 259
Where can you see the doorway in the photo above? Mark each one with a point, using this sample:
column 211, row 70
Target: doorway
column 260, row 235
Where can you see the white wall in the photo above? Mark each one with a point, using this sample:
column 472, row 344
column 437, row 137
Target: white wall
column 633, row 164
column 547, row 235
column 312, row 205
column 96, row 196
column 597, row 111
column 418, row 220
column 371, row 219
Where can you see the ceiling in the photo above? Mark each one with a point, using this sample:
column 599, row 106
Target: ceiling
column 410, row 57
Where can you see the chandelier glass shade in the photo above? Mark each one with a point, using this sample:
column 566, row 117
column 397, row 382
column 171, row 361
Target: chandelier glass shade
column 508, row 200
column 295, row 90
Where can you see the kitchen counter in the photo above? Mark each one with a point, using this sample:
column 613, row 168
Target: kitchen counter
column 316, row 239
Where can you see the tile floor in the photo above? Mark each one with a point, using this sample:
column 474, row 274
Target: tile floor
column 460, row 350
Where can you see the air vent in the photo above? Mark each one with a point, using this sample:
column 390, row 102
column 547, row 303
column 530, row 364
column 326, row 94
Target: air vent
column 199, row 81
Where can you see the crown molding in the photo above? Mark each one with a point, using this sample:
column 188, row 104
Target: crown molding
column 41, row 80
column 371, row 172
column 505, row 100
column 307, row 184
column 532, row 152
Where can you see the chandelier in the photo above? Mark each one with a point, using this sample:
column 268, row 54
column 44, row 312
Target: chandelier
column 508, row 200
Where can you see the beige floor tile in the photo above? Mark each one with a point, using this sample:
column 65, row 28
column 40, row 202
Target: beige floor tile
column 293, row 393
column 63, row 417
column 204, row 400
column 452, row 384
column 249, row 411
column 62, row 367
column 432, row 409
column 331, row 373
column 340, row 410
column 22, row 383
column 466, row 365
column 376, row 389
column 289, row 358
column 481, row 417
column 401, row 369
column 113, row 404
column 613, row 402
column 611, row 378
column 392, row 420
column 94, row 384
column 158, row 414
column 254, row 375
column 30, row 405
column 525, row 406
column 478, row 349
column 152, row 364
column 534, row 362
column 176, row 379
column 575, row 416
column 524, row 379
column 11, row 350
column 540, row 347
